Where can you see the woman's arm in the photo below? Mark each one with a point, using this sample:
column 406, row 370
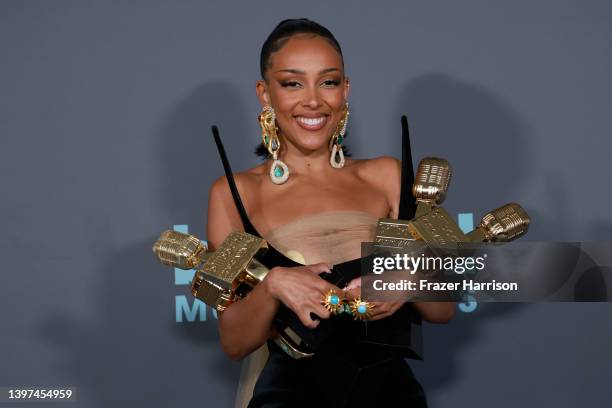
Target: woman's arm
column 240, row 329
column 246, row 324
column 436, row 312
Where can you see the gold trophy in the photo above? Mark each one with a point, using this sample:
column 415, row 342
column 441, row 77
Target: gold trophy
column 431, row 184
column 429, row 188
column 435, row 226
column 503, row 224
column 225, row 275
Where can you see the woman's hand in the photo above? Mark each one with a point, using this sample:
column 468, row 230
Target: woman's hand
column 301, row 290
column 381, row 309
column 433, row 312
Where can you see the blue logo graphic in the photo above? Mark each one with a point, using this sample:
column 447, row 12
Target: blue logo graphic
column 194, row 310
column 466, row 224
column 188, row 309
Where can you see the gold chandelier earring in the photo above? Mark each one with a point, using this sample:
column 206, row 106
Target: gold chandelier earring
column 335, row 143
column 279, row 172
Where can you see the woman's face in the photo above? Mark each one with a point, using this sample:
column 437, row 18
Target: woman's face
column 306, row 86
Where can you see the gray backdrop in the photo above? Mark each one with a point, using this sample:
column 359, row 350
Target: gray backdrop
column 105, row 109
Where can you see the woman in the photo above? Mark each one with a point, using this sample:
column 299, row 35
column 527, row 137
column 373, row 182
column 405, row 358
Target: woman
column 316, row 207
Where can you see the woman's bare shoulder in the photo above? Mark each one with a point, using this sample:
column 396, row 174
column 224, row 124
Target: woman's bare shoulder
column 383, row 174
column 384, row 169
column 246, row 179
column 223, row 216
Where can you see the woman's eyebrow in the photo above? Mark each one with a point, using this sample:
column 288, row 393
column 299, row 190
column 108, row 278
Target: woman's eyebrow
column 300, row 72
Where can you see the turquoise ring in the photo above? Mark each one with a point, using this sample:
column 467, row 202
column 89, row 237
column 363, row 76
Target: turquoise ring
column 333, row 302
column 361, row 309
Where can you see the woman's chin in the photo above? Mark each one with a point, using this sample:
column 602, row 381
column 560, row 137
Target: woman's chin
column 310, row 148
column 312, row 141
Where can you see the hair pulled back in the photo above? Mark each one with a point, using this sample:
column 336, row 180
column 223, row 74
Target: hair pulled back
column 277, row 39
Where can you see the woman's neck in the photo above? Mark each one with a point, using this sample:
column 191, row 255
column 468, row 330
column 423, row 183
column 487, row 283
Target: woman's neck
column 308, row 163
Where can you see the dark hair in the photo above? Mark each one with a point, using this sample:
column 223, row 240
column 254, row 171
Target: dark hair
column 278, row 38
column 285, row 30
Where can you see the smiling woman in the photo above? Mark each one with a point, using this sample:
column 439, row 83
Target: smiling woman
column 295, row 72
column 317, row 210
column 292, row 73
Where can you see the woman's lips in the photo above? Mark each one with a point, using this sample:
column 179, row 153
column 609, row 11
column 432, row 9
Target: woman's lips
column 311, row 123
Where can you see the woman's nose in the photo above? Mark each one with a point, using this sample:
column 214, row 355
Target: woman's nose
column 312, row 98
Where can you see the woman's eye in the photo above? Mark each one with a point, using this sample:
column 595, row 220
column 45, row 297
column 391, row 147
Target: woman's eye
column 290, row 84
column 331, row 83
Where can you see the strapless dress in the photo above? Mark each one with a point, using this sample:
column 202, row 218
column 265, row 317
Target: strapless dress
column 343, row 374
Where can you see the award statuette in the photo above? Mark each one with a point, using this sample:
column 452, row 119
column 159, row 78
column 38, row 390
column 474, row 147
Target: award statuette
column 435, row 226
column 436, row 229
column 429, row 188
column 431, row 184
column 225, row 275
column 503, row 224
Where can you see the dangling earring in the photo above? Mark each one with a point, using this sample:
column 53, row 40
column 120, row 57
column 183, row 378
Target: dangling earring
column 279, row 172
column 335, row 143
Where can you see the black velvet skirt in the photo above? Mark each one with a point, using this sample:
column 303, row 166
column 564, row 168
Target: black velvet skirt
column 337, row 376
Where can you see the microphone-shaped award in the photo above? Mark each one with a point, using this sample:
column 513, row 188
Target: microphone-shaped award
column 503, row 224
column 435, row 226
column 431, row 184
column 436, row 229
column 429, row 188
column 225, row 275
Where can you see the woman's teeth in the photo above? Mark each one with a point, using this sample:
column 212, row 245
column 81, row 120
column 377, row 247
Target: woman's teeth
column 311, row 123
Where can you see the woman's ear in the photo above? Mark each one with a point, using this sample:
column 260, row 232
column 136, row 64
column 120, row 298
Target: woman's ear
column 347, row 88
column 261, row 88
